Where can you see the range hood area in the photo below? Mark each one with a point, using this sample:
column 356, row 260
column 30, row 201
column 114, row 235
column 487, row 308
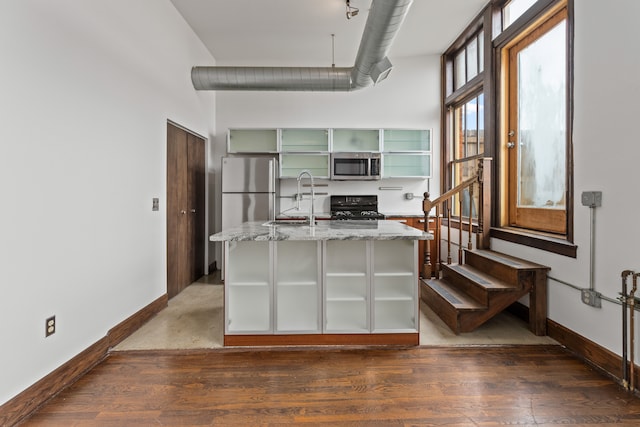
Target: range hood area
column 371, row 63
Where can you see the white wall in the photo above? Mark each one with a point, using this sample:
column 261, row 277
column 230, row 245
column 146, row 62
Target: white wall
column 408, row 98
column 607, row 61
column 86, row 88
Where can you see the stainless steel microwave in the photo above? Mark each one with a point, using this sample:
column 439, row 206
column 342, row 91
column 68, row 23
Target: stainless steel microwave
column 355, row 166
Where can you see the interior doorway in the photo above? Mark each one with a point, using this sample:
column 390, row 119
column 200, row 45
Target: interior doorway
column 186, row 176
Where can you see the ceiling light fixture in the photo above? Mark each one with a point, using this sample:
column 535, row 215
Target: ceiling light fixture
column 351, row 11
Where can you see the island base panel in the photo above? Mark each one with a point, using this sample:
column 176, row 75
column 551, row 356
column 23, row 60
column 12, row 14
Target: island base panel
column 323, row 339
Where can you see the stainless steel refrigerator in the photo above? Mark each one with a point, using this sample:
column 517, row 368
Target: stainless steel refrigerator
column 250, row 188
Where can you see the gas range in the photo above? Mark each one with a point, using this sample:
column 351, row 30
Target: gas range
column 355, row 208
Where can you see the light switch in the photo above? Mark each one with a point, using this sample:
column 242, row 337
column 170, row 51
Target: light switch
column 156, row 204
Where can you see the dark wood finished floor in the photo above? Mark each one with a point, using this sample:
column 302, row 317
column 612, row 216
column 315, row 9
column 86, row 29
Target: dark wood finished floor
column 457, row 386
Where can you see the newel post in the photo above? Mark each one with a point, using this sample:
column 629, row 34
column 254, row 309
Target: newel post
column 427, row 268
column 484, row 196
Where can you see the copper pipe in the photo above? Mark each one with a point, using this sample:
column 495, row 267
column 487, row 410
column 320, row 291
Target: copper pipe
column 632, row 303
column 625, row 356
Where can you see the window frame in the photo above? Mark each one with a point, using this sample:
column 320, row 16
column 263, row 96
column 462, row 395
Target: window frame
column 489, row 22
column 559, row 244
column 452, row 97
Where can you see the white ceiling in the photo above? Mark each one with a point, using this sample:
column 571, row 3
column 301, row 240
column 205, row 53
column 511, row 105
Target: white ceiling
column 298, row 32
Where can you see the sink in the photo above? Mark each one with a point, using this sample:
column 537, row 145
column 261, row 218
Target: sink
column 288, row 222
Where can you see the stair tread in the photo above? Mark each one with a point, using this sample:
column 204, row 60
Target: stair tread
column 509, row 260
column 481, row 278
column 457, row 299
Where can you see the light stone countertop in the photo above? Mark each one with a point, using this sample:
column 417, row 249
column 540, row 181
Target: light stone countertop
column 324, row 230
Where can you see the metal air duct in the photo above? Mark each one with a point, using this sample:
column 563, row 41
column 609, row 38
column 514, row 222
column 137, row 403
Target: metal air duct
column 371, row 64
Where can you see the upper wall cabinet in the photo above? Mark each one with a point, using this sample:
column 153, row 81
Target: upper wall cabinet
column 407, row 153
column 406, row 140
column 252, row 141
column 304, row 140
column 356, row 140
column 304, row 149
column 291, row 164
column 405, row 165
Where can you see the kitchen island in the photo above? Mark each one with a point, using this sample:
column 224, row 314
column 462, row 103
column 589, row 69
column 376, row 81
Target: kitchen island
column 339, row 282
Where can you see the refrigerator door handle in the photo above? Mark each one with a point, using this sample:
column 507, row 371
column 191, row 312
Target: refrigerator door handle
column 272, row 207
column 273, row 175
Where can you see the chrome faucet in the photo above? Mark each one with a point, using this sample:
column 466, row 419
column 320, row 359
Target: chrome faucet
column 312, row 219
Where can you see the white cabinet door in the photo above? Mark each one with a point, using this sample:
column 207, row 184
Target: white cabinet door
column 297, row 287
column 407, row 165
column 304, row 140
column 356, row 140
column 394, row 286
column 407, row 153
column 252, row 141
column 334, row 286
column 248, row 287
column 347, row 285
column 403, row 140
column 291, row 164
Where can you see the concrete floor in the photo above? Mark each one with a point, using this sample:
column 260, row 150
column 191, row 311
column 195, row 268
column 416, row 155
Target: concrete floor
column 194, row 320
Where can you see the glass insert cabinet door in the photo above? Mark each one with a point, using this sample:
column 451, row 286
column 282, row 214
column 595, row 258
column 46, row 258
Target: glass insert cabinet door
column 248, row 293
column 297, row 286
column 356, row 140
column 538, row 129
column 398, row 165
column 291, row 164
column 252, row 141
column 304, row 140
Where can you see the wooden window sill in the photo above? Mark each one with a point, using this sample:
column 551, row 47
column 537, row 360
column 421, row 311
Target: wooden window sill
column 544, row 241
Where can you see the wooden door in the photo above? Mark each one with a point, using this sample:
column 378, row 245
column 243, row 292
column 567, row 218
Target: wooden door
column 537, row 135
column 185, row 209
column 196, row 203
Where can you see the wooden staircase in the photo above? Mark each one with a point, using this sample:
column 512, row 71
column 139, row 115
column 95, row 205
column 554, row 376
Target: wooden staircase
column 468, row 294
column 485, row 282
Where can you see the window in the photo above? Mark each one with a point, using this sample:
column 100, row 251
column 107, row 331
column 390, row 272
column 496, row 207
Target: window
column 513, row 10
column 468, row 61
column 468, row 145
column 465, row 118
column 507, row 95
column 535, row 73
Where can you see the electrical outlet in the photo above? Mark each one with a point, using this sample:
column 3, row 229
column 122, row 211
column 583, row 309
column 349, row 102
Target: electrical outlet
column 155, row 204
column 591, row 298
column 50, row 326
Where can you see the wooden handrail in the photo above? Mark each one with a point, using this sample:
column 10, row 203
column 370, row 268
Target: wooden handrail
column 458, row 188
column 483, row 179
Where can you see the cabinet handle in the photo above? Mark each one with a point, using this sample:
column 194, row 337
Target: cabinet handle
column 183, row 212
column 193, row 211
